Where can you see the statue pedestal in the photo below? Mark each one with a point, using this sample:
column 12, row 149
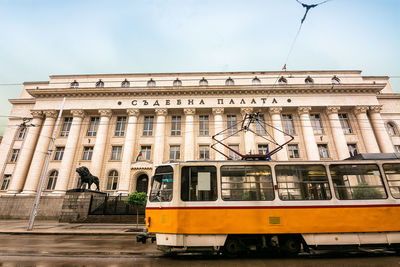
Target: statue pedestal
column 76, row 205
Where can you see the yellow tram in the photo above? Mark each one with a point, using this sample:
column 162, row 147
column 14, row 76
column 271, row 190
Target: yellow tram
column 235, row 206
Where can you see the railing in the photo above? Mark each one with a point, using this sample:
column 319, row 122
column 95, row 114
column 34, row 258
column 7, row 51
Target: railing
column 112, row 205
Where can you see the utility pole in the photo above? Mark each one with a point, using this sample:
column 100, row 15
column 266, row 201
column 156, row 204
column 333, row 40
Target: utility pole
column 44, row 171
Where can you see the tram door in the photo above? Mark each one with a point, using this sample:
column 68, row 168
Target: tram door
column 142, row 183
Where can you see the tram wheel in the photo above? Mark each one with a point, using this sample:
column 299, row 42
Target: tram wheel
column 232, row 248
column 290, row 246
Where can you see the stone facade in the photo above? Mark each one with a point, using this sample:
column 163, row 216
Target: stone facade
column 108, row 119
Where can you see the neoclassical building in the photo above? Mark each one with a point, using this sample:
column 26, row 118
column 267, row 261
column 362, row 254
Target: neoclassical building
column 121, row 126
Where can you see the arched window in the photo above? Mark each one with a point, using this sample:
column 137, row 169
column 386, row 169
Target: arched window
column 282, row 80
column 256, row 81
column 74, row 84
column 203, row 82
column 309, row 80
column 335, row 80
column 51, row 184
column 125, row 83
column 151, row 83
column 229, row 81
column 391, row 128
column 100, row 84
column 112, row 181
column 177, row 82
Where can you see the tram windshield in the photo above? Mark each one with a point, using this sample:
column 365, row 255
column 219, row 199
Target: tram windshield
column 161, row 184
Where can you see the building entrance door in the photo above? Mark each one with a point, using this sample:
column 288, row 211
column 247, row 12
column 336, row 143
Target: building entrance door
column 142, row 183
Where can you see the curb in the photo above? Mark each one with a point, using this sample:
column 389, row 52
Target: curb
column 69, row 233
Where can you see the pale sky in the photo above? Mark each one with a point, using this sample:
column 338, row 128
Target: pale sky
column 42, row 38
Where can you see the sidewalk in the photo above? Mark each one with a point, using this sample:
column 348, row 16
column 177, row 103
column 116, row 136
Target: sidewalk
column 56, row 228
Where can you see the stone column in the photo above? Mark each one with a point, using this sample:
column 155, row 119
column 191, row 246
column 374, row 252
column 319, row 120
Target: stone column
column 383, row 138
column 218, row 127
column 130, row 138
column 278, row 132
column 25, row 154
column 101, row 140
column 337, row 133
column 35, row 170
column 69, row 152
column 189, row 133
column 249, row 137
column 159, row 137
column 308, row 133
column 366, row 130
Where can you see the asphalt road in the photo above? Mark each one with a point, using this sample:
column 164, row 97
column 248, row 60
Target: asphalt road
column 106, row 250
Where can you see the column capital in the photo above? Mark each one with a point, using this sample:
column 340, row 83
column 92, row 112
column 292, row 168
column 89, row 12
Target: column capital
column 189, row 111
column 218, row 111
column 375, row 109
column 161, row 111
column 50, row 113
column 133, row 112
column 245, row 111
column 303, row 110
column 105, row 112
column 332, row 109
column 360, row 109
column 78, row 113
column 37, row 114
column 275, row 110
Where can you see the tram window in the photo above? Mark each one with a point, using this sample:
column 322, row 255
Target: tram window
column 302, row 182
column 357, row 181
column 392, row 172
column 199, row 183
column 161, row 184
column 246, row 183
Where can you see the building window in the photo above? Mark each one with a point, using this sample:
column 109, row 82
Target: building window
column 397, row 148
column 6, row 181
column 229, row 81
column 260, row 124
column 256, row 81
column 151, row 83
column 14, row 155
column 345, row 123
column 203, row 125
column 282, row 80
column 176, row 125
column 263, row 149
column 316, row 123
column 352, row 149
column 231, row 124
column 288, row 125
column 116, row 152
column 87, row 153
column 293, row 151
column 174, row 152
column 66, row 126
column 93, row 125
column 323, row 151
column 21, row 134
column 391, row 129
column 120, row 126
column 51, row 183
column 59, row 153
column 177, row 82
column 335, row 80
column 148, row 125
column 112, row 181
column 74, row 84
column 125, row 84
column 146, row 152
column 204, row 152
column 203, row 82
column 100, row 84
column 232, row 154
column 309, row 80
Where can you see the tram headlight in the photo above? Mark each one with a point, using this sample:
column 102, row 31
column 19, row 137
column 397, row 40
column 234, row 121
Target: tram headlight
column 148, row 221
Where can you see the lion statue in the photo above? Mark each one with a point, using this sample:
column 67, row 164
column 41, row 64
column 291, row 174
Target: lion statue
column 87, row 177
